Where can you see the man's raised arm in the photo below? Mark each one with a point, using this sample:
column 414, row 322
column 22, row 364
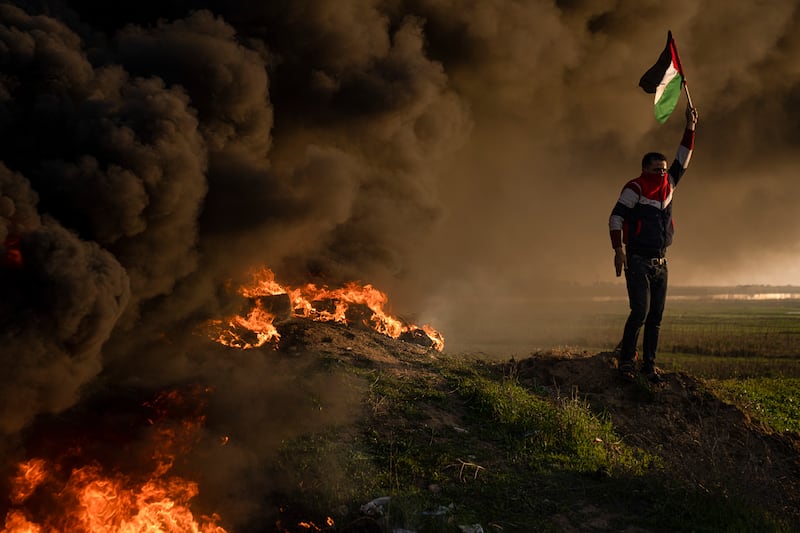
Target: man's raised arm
column 686, row 147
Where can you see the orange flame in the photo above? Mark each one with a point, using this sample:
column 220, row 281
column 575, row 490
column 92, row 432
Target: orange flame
column 17, row 523
column 13, row 254
column 310, row 526
column 95, row 499
column 31, row 474
column 259, row 322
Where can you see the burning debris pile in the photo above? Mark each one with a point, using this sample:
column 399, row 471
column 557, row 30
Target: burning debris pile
column 74, row 478
column 270, row 302
column 79, row 481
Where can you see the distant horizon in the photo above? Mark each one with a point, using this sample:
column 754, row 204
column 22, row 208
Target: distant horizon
column 698, row 286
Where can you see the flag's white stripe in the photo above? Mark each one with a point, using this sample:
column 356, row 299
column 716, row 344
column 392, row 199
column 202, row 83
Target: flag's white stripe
column 668, row 76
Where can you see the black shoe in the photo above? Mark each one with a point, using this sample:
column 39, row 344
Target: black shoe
column 618, row 352
column 627, row 370
column 653, row 374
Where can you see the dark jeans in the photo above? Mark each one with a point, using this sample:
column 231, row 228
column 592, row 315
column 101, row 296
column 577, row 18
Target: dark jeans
column 647, row 294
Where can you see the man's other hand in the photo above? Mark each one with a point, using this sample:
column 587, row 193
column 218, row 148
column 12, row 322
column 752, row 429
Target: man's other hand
column 620, row 261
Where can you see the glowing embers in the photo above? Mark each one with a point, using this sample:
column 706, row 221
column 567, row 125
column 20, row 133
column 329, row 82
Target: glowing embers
column 311, row 526
column 11, row 253
column 132, row 492
column 352, row 304
column 245, row 332
column 292, row 524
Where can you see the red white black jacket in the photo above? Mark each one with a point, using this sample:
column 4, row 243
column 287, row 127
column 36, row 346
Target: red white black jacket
column 642, row 217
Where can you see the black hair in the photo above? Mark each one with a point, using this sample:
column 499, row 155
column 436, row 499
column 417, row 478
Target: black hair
column 649, row 157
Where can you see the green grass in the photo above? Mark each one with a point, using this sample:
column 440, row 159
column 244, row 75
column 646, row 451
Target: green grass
column 461, row 442
column 730, row 367
column 732, row 328
column 768, row 328
column 747, row 350
column 468, row 444
column 775, row 402
column 749, row 353
column 544, row 433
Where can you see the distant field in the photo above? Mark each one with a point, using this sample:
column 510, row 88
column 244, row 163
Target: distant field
column 734, row 338
column 745, row 345
column 715, row 334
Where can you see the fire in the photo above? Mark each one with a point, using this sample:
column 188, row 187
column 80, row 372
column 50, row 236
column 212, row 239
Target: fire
column 258, row 321
column 31, row 474
column 306, row 525
column 83, row 495
column 13, row 254
column 311, row 526
column 316, row 303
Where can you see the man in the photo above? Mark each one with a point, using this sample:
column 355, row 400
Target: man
column 641, row 230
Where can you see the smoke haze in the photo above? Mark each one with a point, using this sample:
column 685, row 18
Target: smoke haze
column 446, row 152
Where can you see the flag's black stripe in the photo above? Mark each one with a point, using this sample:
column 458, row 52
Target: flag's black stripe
column 655, row 74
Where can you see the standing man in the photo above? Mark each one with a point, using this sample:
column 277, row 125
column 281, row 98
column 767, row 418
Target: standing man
column 641, row 230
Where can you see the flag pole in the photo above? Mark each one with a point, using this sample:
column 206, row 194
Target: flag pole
column 688, row 96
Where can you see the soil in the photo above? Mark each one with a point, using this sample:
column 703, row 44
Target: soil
column 702, row 440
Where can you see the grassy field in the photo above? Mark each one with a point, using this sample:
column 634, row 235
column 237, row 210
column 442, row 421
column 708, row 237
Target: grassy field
column 744, row 344
column 696, row 320
column 748, row 350
column 514, row 458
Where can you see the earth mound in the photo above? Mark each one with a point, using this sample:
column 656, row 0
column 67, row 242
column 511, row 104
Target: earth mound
column 702, row 440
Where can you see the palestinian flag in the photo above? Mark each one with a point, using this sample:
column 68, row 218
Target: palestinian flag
column 665, row 79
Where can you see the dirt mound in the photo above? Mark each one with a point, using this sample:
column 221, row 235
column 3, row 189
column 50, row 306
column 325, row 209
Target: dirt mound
column 701, row 439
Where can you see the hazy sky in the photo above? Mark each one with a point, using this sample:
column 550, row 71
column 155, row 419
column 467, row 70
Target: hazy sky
column 441, row 150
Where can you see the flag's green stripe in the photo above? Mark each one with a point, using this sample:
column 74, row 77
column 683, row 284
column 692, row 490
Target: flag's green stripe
column 669, row 99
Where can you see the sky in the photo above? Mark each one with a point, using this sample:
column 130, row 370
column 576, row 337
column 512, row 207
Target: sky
column 445, row 151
